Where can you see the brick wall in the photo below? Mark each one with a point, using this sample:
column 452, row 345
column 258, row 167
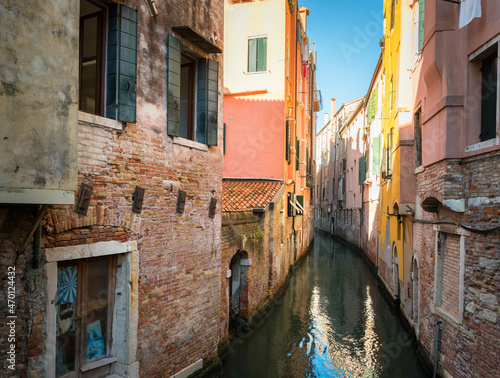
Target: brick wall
column 468, row 349
column 348, row 225
column 241, row 233
column 180, row 261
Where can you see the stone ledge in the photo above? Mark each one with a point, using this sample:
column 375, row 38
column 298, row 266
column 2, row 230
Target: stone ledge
column 95, row 120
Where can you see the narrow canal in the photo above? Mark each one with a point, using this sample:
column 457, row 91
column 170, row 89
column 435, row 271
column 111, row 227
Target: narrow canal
column 333, row 321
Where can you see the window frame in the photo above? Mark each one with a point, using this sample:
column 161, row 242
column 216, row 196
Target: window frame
column 257, row 37
column 116, row 77
column 438, row 264
column 101, row 39
column 192, row 65
column 473, row 111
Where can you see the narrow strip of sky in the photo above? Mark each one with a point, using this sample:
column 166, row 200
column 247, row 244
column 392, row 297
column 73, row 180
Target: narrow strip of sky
column 347, row 35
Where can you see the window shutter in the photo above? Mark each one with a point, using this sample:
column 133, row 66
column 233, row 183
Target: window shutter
column 361, row 170
column 287, row 142
column 173, row 85
column 208, row 96
column 376, row 156
column 367, row 163
column 261, row 54
column 421, row 17
column 122, row 64
column 297, row 154
column 252, row 55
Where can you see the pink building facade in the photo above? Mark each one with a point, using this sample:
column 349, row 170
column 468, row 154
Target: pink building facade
column 456, row 244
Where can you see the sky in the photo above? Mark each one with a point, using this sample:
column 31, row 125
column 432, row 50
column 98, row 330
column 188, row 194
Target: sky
column 347, row 35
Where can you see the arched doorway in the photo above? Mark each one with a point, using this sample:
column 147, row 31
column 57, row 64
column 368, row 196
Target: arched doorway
column 238, row 290
column 395, row 271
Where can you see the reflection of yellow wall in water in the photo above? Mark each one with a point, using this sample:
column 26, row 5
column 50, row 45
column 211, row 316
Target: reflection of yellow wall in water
column 397, row 96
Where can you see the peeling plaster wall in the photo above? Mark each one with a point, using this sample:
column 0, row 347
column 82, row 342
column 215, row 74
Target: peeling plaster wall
column 39, row 94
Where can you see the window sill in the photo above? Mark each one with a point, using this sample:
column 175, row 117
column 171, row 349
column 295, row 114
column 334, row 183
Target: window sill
column 481, row 145
column 96, row 120
column 419, row 169
column 256, row 72
column 97, row 364
column 190, row 143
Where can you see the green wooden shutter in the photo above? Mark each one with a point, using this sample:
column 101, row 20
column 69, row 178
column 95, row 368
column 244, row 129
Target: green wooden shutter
column 121, row 63
column 376, row 156
column 207, row 102
column 262, row 54
column 173, row 85
column 367, row 163
column 421, row 17
column 297, row 154
column 252, row 55
column 361, row 170
column 287, row 142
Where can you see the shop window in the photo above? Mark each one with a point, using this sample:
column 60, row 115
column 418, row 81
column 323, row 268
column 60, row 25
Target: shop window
column 84, row 308
column 108, row 60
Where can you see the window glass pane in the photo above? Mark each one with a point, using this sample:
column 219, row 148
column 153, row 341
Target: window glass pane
column 252, row 55
column 97, row 309
column 67, row 281
column 184, row 101
column 489, row 97
column 89, row 65
column 262, row 54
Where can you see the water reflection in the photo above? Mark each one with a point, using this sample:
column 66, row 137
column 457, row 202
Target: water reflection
column 332, row 322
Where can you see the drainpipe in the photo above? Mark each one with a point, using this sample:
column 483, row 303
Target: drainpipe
column 436, row 347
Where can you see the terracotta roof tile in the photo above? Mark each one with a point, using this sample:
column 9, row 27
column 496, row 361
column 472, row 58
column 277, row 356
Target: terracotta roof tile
column 240, row 195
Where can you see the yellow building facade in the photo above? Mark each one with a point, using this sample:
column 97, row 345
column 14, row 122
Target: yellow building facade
column 396, row 205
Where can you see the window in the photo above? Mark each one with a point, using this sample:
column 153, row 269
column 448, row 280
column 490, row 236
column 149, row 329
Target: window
column 297, row 154
column 387, row 156
column 489, row 95
column 287, row 142
column 108, row 71
column 447, row 280
column 421, row 17
column 257, row 54
column 391, row 98
column 376, row 156
column 482, row 100
column 393, row 13
column 417, row 120
column 84, row 310
column 92, row 28
column 192, row 86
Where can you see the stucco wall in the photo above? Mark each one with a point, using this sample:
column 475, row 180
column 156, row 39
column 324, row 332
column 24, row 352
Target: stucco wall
column 38, row 100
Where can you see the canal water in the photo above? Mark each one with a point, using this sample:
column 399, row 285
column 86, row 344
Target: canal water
column 333, row 321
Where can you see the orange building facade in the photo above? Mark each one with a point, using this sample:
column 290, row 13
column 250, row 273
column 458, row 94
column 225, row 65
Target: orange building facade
column 269, row 118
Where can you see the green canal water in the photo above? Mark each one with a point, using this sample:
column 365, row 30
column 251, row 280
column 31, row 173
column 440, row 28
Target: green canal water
column 333, row 321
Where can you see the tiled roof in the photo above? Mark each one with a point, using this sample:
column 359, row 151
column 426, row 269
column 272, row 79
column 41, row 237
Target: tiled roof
column 238, row 195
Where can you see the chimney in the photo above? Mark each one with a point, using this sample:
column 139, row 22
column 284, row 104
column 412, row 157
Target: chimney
column 326, row 119
column 333, row 108
column 303, row 13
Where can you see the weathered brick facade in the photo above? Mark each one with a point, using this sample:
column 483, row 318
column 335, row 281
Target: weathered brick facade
column 468, row 345
column 262, row 242
column 173, row 274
